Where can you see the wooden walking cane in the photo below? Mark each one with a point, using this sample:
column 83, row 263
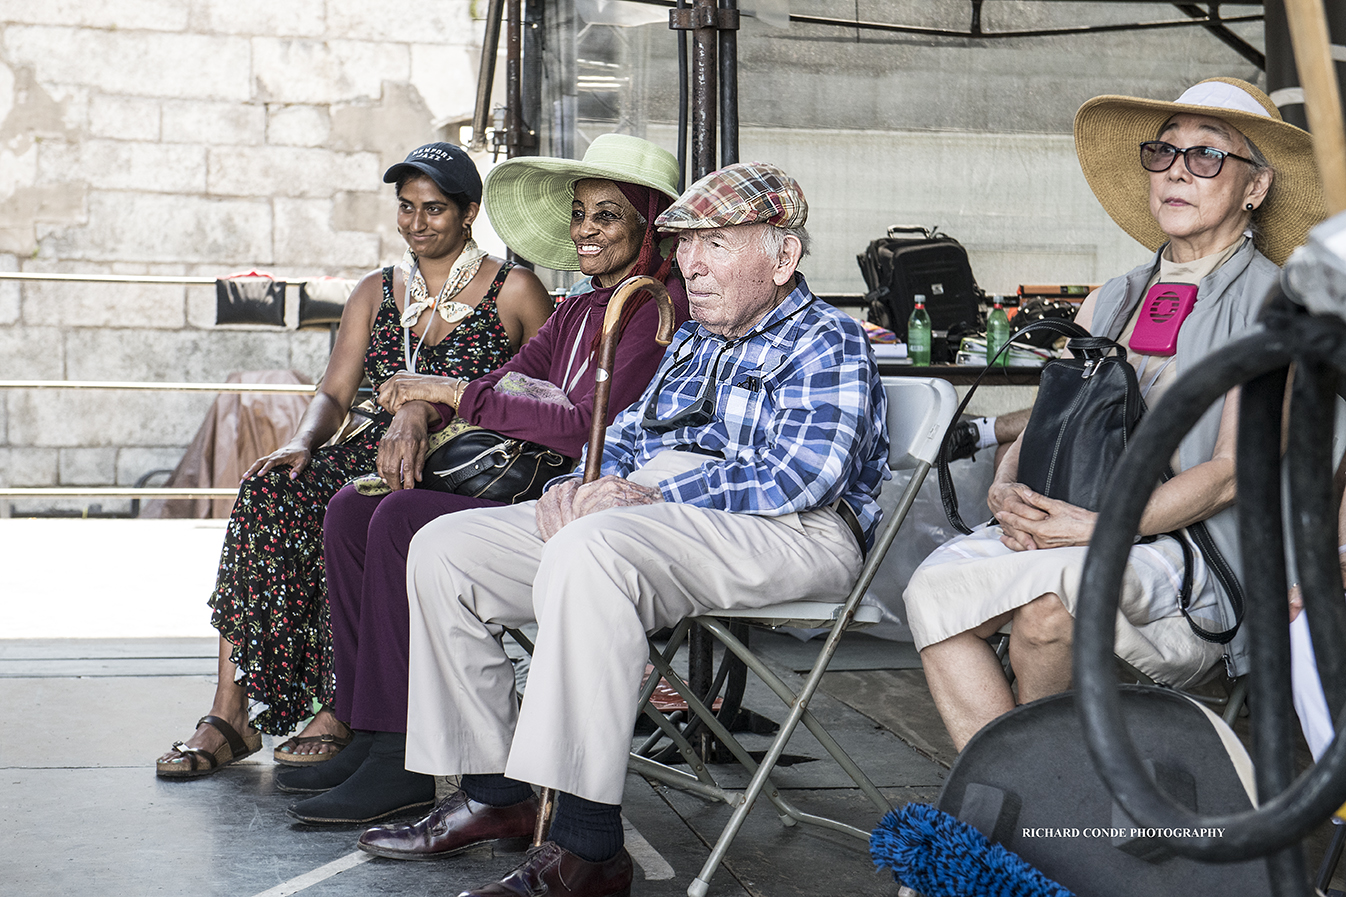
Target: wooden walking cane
column 607, row 353
column 1322, row 100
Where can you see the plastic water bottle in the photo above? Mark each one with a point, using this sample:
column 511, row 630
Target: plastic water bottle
column 918, row 334
column 997, row 334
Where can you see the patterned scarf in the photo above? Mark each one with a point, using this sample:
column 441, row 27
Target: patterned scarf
column 418, row 294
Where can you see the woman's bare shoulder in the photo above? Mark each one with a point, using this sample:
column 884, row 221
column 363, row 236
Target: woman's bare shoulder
column 367, row 295
column 523, row 291
column 521, row 281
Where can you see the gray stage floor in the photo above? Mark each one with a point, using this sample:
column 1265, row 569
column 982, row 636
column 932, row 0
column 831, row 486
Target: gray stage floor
column 81, row 806
column 82, row 809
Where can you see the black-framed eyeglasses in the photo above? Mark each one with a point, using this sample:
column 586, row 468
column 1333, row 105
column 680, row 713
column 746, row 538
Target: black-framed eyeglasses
column 1201, row 161
column 702, row 409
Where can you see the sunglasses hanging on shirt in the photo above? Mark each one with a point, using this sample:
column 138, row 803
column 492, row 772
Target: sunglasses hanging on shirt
column 702, row 409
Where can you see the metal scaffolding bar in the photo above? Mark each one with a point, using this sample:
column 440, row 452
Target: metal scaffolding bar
column 128, row 278
column 293, row 388
column 113, row 492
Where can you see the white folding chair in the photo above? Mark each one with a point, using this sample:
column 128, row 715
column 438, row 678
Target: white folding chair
column 919, row 411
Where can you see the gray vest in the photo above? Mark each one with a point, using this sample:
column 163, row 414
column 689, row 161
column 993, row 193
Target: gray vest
column 1228, row 302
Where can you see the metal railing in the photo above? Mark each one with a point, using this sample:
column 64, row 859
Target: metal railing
column 131, row 491
column 144, row 491
column 126, row 278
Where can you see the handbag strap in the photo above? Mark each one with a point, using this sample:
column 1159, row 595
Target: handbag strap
column 1082, row 343
column 498, row 455
column 1224, row 574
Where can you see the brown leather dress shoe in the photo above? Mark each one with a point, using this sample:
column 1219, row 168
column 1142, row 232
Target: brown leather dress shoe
column 552, row 871
column 453, row 826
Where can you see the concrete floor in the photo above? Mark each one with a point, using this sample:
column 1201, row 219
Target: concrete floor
column 85, row 716
column 81, row 805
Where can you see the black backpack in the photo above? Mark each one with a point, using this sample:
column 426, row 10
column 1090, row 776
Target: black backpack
column 911, row 261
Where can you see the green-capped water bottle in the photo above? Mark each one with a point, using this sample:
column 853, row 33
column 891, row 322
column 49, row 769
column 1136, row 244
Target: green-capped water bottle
column 918, row 334
column 997, row 334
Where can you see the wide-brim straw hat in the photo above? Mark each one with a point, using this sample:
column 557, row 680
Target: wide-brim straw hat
column 527, row 199
column 1110, row 129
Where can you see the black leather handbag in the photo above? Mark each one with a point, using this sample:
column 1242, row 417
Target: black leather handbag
column 469, row 460
column 1086, row 409
column 485, row 464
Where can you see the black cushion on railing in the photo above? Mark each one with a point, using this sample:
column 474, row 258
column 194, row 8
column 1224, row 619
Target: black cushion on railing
column 250, row 299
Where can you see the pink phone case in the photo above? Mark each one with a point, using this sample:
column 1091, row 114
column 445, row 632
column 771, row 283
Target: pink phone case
column 1161, row 315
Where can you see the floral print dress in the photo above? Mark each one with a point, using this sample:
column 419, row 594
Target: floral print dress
column 270, row 598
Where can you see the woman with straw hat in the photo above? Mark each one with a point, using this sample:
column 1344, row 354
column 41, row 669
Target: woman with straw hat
column 1221, row 189
column 596, row 216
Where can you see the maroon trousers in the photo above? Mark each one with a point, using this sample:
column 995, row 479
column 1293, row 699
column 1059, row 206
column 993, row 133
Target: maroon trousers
column 365, row 542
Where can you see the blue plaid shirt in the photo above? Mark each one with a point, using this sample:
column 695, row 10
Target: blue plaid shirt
column 800, row 416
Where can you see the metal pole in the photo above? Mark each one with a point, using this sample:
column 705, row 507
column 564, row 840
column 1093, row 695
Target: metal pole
column 704, row 41
column 531, row 99
column 516, row 129
column 1212, row 23
column 292, row 388
column 683, row 98
column 514, row 125
column 728, row 89
column 121, row 278
column 115, row 492
column 562, row 51
column 490, row 47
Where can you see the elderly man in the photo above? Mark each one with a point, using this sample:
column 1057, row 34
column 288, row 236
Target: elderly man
column 743, row 477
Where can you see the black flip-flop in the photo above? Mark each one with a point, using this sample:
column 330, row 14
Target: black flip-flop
column 288, row 758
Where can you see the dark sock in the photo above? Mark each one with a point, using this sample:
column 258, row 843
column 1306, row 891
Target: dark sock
column 381, row 786
column 329, row 773
column 592, row 831
column 494, row 790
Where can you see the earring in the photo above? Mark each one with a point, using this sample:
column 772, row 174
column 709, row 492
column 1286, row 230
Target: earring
column 1250, row 207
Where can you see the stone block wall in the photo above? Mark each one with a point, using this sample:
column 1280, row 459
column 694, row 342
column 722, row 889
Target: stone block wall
column 192, row 138
column 206, row 137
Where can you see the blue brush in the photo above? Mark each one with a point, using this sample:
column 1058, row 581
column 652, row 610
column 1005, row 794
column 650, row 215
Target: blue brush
column 936, row 854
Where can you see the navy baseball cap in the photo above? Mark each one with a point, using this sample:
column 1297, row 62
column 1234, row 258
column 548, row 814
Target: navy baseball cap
column 445, row 164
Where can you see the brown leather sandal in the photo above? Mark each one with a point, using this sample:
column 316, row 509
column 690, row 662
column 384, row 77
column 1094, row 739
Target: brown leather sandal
column 285, row 756
column 196, row 762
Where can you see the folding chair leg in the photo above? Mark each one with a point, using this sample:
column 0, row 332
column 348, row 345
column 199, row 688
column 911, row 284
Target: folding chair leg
column 801, row 699
column 1330, row 859
column 798, row 703
column 665, row 669
column 701, row 884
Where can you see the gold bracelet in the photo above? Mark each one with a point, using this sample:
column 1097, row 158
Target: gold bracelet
column 458, row 396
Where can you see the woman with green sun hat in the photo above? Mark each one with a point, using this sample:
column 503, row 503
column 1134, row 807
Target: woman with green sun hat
column 595, row 215
column 562, row 214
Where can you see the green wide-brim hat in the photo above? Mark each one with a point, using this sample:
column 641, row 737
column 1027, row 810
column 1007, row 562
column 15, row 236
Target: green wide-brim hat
column 1110, row 129
column 527, row 199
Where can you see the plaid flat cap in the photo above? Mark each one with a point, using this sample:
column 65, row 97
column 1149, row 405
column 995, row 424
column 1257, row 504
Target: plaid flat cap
column 742, row 193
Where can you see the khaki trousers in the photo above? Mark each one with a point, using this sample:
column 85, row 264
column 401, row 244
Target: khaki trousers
column 594, row 589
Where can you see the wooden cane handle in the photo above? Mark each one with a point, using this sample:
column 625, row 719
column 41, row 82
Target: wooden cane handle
column 607, row 353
